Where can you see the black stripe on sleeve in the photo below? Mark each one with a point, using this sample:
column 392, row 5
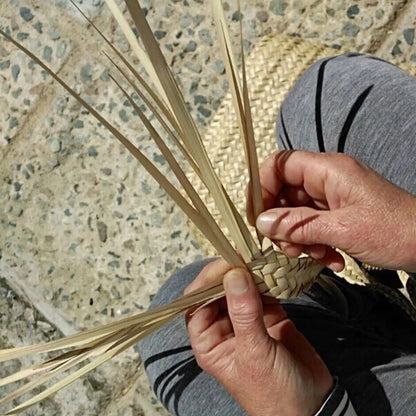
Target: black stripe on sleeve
column 350, row 118
column 344, row 410
column 283, row 141
column 288, row 142
column 337, row 400
column 318, row 105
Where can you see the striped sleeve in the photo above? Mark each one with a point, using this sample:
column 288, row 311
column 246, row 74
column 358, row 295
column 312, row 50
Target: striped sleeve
column 337, row 404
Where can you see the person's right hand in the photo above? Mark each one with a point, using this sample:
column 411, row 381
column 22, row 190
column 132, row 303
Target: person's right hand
column 317, row 201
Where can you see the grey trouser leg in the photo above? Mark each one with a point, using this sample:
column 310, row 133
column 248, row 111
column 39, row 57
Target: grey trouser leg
column 182, row 387
column 357, row 105
column 366, row 108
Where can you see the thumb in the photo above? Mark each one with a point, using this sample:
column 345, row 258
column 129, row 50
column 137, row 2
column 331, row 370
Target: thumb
column 301, row 225
column 244, row 307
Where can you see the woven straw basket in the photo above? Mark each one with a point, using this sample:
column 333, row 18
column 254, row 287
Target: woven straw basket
column 273, row 67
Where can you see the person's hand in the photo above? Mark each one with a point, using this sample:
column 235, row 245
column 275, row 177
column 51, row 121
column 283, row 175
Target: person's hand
column 249, row 345
column 317, row 201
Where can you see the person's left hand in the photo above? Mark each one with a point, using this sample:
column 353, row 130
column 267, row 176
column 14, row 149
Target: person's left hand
column 250, row 346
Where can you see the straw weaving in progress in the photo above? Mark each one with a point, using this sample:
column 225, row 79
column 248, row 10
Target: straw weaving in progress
column 203, row 195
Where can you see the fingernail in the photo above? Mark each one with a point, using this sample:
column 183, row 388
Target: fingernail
column 235, row 282
column 265, row 222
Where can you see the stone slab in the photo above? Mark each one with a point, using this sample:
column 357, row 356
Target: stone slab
column 85, row 235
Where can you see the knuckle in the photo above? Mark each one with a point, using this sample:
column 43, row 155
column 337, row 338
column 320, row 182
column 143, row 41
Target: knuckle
column 298, row 227
column 203, row 361
column 245, row 318
column 347, row 163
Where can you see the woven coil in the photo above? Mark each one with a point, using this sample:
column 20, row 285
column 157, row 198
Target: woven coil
column 272, row 68
column 283, row 277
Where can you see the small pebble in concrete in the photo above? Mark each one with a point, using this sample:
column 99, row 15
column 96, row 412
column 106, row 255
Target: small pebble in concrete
column 352, row 11
column 78, row 124
column 185, row 21
column 205, row 35
column 350, row 29
column 16, row 93
column 194, row 86
column 26, row 14
column 4, row 65
column 38, row 27
column 61, row 49
column 145, row 187
column 396, row 48
column 262, row 16
column 278, row 7
column 18, row 212
column 102, row 231
column 191, row 46
column 123, row 115
column 236, row 16
column 47, row 54
column 379, row 13
column 54, row 145
column 409, row 35
column 15, row 71
column 53, row 163
column 86, row 74
column 105, row 75
column 330, row 11
column 53, row 33
column 106, row 171
column 204, row 111
column 22, row 36
column 200, row 99
column 13, row 122
column 194, row 67
column 159, row 159
column 366, row 23
column 160, row 34
column 219, row 66
column 92, row 151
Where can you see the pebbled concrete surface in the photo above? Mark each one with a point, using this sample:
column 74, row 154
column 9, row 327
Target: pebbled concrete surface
column 85, row 235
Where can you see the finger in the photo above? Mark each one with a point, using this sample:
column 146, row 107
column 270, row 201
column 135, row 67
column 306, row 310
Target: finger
column 211, row 272
column 202, row 318
column 333, row 260
column 325, row 255
column 245, row 310
column 272, row 315
column 205, row 338
column 282, row 201
column 291, row 249
column 316, row 251
column 270, row 186
column 297, row 196
column 302, row 225
column 305, row 169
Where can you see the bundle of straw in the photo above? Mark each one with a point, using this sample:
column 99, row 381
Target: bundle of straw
column 274, row 273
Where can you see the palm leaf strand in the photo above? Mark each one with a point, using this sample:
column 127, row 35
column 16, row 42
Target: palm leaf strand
column 92, row 348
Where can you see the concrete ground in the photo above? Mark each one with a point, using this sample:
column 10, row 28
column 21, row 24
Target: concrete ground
column 86, row 236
